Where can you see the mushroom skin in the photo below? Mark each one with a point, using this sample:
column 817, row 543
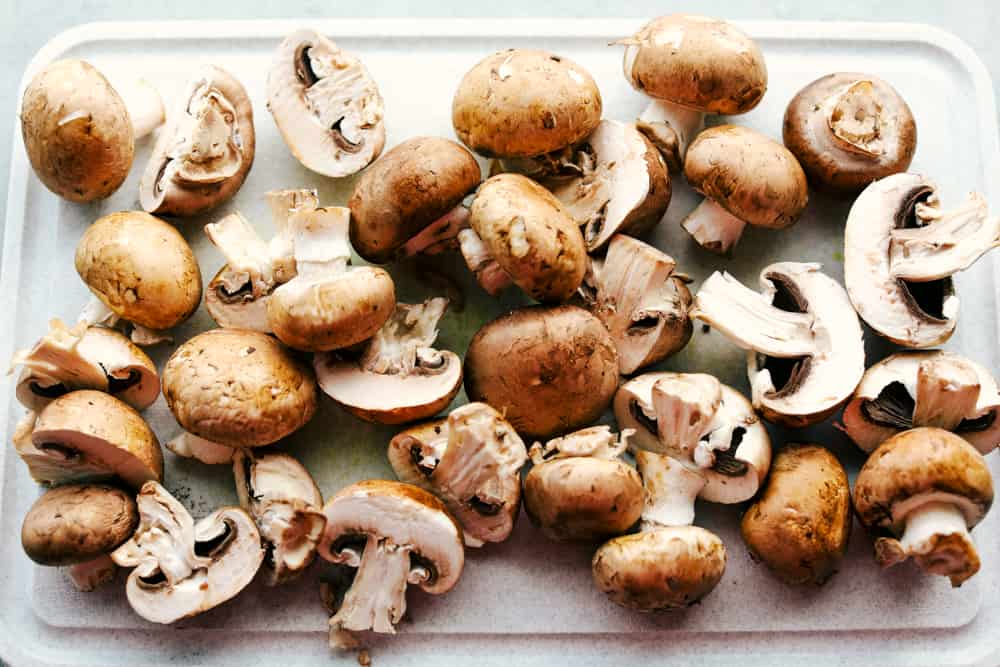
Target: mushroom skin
column 801, row 524
column 560, row 368
column 524, row 103
column 848, row 129
column 919, row 494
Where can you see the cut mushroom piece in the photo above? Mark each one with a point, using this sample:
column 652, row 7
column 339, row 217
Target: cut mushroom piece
column 472, row 461
column 183, row 568
column 88, row 435
column 920, row 492
column 900, row 251
column 326, row 105
column 284, row 501
column 394, row 535
column 805, row 347
column 399, row 377
column 189, row 446
column 66, row 359
column 206, row 149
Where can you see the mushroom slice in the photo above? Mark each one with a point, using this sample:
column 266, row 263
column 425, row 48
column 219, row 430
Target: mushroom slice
column 805, row 348
column 925, row 388
column 623, row 186
column 88, row 435
column 206, row 150
column 394, row 534
column 326, row 105
column 66, row 359
column 641, row 301
column 183, row 568
column 472, row 461
column 286, row 505
column 596, row 442
column 900, row 251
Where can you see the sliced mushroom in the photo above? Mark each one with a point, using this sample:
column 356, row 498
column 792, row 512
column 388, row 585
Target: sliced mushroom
column 399, row 377
column 805, row 351
column 206, row 149
column 394, row 534
column 472, row 461
column 284, row 501
column 183, row 568
column 900, row 251
column 326, row 105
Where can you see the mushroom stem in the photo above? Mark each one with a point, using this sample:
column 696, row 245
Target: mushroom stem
column 320, row 239
column 488, row 272
column 283, row 204
column 87, row 576
column 670, row 127
column 191, row 446
column 439, row 236
column 144, row 106
column 376, row 599
column 853, row 116
column 937, row 537
column 713, row 227
column 671, row 489
column 96, row 312
column 406, row 339
column 684, row 410
column 247, row 255
column 947, row 393
column 145, row 337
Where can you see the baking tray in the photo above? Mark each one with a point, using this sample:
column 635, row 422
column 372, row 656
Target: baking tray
column 528, row 597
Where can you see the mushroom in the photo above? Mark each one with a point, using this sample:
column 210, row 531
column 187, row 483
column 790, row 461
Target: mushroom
column 900, row 251
column 849, row 129
column 805, row 351
column 643, row 303
column 747, row 179
column 206, row 149
column 238, row 388
column 472, row 461
column 394, row 534
column 79, row 525
column 623, row 186
column 139, row 269
column 559, row 369
column 925, row 388
column 80, row 132
column 801, row 524
column 285, row 503
column 691, row 65
column 88, row 435
column 66, row 359
column 920, row 492
column 521, row 234
column 523, row 103
column 398, row 377
column 409, row 201
column 328, row 305
column 326, row 105
column 183, row 568
column 694, row 437
column 579, row 489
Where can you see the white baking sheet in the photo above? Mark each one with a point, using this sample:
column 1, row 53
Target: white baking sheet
column 527, row 598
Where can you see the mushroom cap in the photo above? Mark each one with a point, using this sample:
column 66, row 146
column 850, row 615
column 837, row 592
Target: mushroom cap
column 523, row 103
column 659, row 570
column 405, row 190
column 833, row 164
column 141, row 268
column 238, row 388
column 77, row 131
column 918, row 462
column 530, row 235
column 800, row 526
column 238, row 311
column 76, row 523
column 98, row 434
column 753, row 177
column 205, row 152
column 697, row 62
column 560, row 368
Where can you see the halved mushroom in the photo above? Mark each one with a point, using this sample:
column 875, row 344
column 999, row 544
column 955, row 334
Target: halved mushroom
column 88, row 435
column 206, row 149
column 925, row 388
column 399, row 377
column 472, row 461
column 326, row 105
column 394, row 534
column 183, row 568
column 284, row 501
column 82, row 357
column 900, row 251
column 805, row 352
